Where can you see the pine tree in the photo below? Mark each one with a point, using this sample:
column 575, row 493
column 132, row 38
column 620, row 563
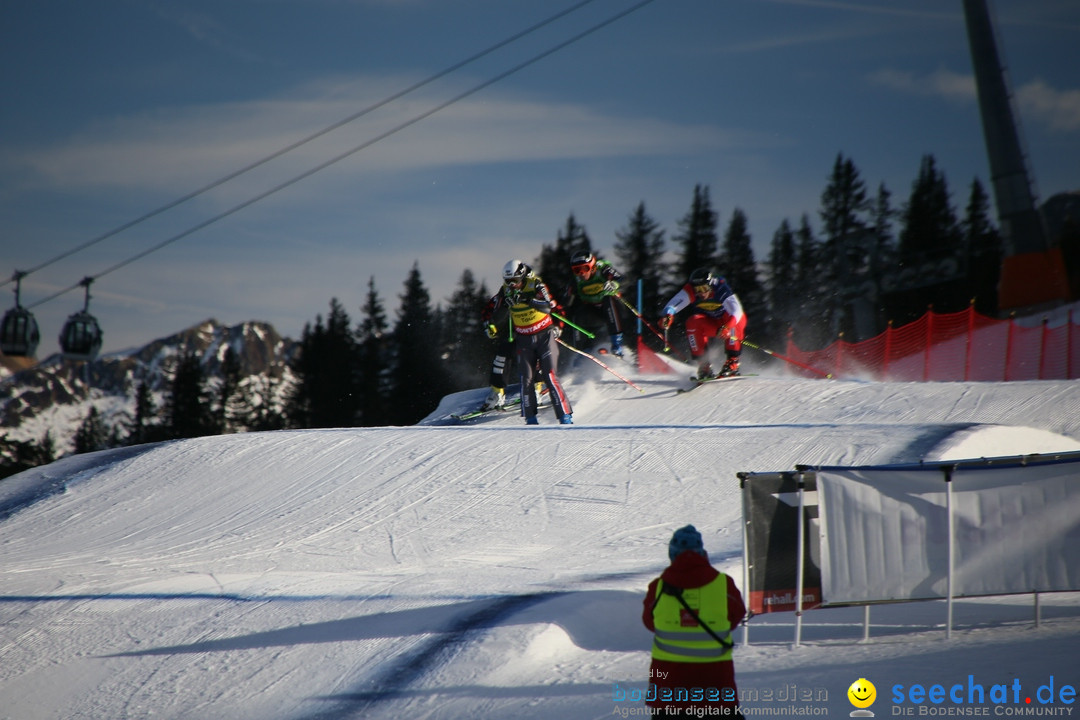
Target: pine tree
column 736, row 262
column 883, row 253
column 465, row 347
column 188, row 406
column 554, row 262
column 143, row 428
column 809, row 327
column 930, row 231
column 418, row 376
column 883, row 218
column 233, row 407
column 92, row 434
column 784, row 292
column 697, row 239
column 931, row 254
column 263, row 414
column 984, row 249
column 639, row 254
column 19, row 455
column 844, row 254
column 326, row 391
column 374, row 360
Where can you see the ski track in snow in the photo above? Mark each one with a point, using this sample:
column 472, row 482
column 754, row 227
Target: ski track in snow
column 478, row 569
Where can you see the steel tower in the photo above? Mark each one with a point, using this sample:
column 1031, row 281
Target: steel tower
column 1032, row 272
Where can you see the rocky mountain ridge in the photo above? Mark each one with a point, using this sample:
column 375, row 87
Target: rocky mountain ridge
column 56, row 394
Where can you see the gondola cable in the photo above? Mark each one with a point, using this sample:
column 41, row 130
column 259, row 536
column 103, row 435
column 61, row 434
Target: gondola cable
column 19, row 274
column 352, row 151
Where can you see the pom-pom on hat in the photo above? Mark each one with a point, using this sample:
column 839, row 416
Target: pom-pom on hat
column 686, row 538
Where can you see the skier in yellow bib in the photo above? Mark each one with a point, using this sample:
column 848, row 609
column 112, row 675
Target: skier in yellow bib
column 535, row 336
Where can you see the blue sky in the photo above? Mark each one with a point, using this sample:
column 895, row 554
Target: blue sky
column 113, row 108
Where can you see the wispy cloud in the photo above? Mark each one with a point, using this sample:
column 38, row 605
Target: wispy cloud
column 177, row 149
column 875, row 20
column 1057, row 109
column 202, row 27
column 800, row 38
column 889, row 8
column 941, row 83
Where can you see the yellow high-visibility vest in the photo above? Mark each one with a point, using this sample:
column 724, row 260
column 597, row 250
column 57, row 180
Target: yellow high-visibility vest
column 679, row 637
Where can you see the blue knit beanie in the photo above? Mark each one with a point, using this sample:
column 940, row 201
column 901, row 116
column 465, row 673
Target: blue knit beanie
column 686, row 538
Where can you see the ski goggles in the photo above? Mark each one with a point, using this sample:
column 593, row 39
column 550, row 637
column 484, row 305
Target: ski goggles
column 583, row 270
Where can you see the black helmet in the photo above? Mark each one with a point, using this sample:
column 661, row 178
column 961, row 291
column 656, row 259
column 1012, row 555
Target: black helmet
column 701, row 276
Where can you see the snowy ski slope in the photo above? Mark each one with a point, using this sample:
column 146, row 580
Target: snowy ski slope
column 477, row 570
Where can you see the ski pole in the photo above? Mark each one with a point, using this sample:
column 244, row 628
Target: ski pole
column 583, row 331
column 785, row 358
column 652, row 328
column 640, row 317
column 598, row 362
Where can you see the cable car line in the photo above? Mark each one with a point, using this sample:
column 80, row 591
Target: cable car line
column 352, row 151
column 293, row 146
column 81, row 336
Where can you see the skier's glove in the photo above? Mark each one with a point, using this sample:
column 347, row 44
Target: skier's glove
column 492, row 331
column 610, row 288
column 665, row 322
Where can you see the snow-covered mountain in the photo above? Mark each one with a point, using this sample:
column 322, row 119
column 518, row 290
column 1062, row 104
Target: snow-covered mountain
column 56, row 394
column 487, row 570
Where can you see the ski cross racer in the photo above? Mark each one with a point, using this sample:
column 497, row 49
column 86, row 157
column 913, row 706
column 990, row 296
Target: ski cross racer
column 715, row 311
column 534, row 333
column 596, row 284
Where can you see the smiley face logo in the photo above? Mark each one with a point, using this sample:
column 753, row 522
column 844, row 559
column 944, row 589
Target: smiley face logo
column 862, row 693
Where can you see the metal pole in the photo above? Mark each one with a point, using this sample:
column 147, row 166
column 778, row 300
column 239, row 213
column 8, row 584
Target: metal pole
column 800, row 549
column 929, row 343
column 888, row 351
column 1042, row 348
column 866, row 623
column 745, row 565
column 1038, row 610
column 951, row 540
column 640, row 294
column 969, row 340
column 1009, row 346
column 1068, row 346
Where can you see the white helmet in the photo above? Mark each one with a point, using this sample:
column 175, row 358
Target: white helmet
column 514, row 272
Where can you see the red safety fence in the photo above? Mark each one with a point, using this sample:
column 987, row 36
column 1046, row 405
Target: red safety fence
column 955, row 346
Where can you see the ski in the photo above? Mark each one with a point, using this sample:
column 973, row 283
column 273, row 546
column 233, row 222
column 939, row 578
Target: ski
column 511, row 405
column 606, row 352
column 698, row 382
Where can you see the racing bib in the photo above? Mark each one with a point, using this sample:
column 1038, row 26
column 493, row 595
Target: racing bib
column 528, row 319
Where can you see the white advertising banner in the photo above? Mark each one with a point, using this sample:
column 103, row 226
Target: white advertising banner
column 885, row 532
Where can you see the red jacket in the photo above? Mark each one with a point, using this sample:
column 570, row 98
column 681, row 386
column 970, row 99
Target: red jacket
column 691, row 570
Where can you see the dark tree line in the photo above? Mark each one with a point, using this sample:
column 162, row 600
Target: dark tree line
column 866, row 263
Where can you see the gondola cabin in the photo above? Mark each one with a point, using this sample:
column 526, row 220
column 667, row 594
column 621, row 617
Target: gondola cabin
column 81, row 336
column 19, row 335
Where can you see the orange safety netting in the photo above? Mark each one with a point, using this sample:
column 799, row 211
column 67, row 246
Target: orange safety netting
column 953, row 346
